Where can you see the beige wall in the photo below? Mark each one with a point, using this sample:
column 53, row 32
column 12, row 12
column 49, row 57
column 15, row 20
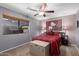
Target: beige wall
column 69, row 21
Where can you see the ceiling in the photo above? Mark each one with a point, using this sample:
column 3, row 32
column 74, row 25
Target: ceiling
column 61, row 9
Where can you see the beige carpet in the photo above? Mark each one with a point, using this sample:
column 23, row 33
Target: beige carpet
column 25, row 51
column 19, row 51
column 71, row 50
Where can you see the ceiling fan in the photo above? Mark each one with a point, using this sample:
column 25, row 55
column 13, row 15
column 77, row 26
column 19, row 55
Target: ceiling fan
column 42, row 10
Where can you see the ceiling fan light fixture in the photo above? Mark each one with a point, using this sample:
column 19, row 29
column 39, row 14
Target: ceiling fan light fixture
column 41, row 13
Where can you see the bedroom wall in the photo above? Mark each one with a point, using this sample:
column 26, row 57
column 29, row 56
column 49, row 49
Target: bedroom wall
column 35, row 27
column 8, row 11
column 9, row 41
column 3, row 22
column 77, row 30
column 69, row 22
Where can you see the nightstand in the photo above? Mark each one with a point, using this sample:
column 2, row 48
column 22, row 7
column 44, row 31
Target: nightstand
column 64, row 39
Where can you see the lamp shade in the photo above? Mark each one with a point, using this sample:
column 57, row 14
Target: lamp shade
column 65, row 28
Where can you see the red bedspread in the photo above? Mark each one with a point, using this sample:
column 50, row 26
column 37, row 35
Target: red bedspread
column 54, row 41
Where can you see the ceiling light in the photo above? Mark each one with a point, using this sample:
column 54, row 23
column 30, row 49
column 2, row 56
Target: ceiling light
column 41, row 13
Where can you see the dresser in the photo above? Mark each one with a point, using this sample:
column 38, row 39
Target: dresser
column 39, row 48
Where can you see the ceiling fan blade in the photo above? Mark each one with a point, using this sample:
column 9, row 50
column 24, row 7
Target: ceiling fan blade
column 49, row 11
column 35, row 14
column 32, row 9
column 44, row 15
column 43, row 6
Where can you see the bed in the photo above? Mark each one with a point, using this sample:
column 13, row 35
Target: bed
column 54, row 40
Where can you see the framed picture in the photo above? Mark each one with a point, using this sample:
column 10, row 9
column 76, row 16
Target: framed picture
column 58, row 24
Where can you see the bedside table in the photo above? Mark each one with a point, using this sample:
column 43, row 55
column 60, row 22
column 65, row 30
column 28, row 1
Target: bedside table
column 64, row 40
